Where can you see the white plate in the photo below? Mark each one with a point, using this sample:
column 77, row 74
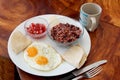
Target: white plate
column 18, row 59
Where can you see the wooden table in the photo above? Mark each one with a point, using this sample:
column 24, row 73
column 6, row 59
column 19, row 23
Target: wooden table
column 105, row 40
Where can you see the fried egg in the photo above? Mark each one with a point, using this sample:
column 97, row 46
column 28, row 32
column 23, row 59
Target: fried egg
column 41, row 56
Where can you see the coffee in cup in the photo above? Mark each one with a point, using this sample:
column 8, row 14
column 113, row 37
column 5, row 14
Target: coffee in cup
column 89, row 15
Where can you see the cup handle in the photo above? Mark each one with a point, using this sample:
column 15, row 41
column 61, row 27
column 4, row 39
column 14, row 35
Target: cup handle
column 93, row 25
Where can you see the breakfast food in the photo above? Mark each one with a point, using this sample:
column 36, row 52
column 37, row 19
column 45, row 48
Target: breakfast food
column 36, row 30
column 41, row 56
column 19, row 42
column 75, row 56
column 65, row 33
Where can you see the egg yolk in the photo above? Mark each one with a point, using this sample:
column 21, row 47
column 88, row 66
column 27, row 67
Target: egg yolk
column 32, row 51
column 41, row 60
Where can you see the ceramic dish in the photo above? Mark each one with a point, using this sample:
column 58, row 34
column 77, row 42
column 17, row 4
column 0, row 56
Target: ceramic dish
column 19, row 61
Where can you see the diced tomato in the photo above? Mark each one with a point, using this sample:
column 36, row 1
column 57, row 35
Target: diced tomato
column 43, row 28
column 36, row 28
column 33, row 25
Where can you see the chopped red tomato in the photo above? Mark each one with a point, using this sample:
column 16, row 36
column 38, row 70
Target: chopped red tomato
column 36, row 28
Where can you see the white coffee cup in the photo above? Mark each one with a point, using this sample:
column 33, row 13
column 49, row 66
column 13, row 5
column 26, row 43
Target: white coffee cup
column 89, row 15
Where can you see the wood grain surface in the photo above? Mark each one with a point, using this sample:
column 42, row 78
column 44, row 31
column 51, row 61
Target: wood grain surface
column 105, row 39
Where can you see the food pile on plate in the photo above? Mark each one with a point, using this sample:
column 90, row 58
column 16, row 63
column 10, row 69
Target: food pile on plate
column 42, row 56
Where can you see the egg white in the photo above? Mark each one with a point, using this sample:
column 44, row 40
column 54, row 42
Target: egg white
column 54, row 59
